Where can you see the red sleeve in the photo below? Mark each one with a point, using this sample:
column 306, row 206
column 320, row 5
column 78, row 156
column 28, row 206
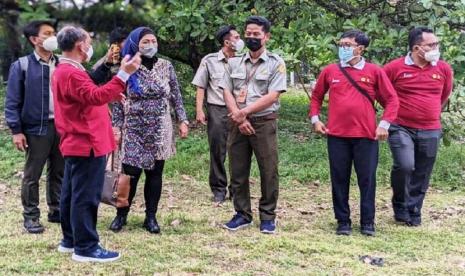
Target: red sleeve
column 449, row 82
column 386, row 95
column 318, row 93
column 84, row 90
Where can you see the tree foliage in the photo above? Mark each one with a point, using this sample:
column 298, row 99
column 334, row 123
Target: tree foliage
column 304, row 32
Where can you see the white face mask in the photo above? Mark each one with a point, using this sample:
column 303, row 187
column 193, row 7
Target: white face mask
column 238, row 45
column 433, row 55
column 50, row 44
column 89, row 53
column 148, row 51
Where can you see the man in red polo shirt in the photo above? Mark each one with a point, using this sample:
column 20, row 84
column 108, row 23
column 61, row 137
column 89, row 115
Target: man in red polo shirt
column 423, row 84
column 352, row 129
column 83, row 121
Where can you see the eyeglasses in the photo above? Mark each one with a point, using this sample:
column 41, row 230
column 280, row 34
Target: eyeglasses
column 347, row 45
column 431, row 45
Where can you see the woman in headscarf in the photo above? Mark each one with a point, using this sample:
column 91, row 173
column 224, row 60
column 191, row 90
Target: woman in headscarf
column 146, row 124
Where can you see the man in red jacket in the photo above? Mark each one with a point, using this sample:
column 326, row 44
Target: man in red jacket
column 82, row 119
column 423, row 84
column 353, row 136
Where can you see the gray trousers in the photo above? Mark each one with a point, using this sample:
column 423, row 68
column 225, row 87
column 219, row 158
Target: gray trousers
column 217, row 139
column 414, row 153
column 41, row 150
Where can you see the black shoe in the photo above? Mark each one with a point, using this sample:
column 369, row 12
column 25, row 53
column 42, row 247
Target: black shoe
column 402, row 218
column 151, row 225
column 54, row 217
column 415, row 221
column 33, row 226
column 344, row 228
column 368, row 229
column 118, row 223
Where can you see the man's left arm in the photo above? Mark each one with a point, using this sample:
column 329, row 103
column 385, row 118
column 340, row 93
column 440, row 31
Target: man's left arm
column 387, row 96
column 448, row 84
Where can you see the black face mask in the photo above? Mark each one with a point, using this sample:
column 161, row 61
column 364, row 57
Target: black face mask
column 254, row 44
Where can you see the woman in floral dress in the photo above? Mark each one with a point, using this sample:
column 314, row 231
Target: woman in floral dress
column 148, row 137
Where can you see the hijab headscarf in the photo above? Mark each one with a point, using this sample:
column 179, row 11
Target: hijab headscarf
column 131, row 47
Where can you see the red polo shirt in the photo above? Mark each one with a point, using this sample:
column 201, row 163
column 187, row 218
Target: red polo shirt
column 421, row 91
column 350, row 113
column 81, row 111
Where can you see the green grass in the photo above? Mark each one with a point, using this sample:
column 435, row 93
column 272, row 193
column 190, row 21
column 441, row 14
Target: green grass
column 304, row 245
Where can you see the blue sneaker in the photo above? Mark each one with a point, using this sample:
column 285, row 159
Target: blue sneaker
column 267, row 227
column 99, row 255
column 65, row 248
column 237, row 222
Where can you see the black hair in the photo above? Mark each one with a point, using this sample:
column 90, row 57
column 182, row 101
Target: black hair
column 69, row 36
column 223, row 33
column 360, row 37
column 260, row 21
column 118, row 35
column 33, row 28
column 415, row 36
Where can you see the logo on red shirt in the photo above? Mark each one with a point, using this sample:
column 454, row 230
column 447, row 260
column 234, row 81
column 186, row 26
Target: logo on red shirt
column 365, row 79
column 436, row 76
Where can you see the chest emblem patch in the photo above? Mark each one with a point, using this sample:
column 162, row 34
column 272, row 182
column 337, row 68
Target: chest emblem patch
column 436, row 76
column 365, row 79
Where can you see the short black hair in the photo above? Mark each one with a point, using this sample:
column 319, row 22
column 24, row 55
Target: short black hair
column 415, row 36
column 118, row 35
column 361, row 38
column 260, row 21
column 223, row 33
column 33, row 28
column 69, row 36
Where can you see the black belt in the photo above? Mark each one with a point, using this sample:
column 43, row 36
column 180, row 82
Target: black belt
column 217, row 105
column 271, row 116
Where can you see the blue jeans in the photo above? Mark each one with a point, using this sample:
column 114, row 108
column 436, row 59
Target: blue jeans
column 363, row 153
column 414, row 153
column 80, row 197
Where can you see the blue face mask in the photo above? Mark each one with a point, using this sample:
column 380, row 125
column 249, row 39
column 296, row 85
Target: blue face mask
column 346, row 54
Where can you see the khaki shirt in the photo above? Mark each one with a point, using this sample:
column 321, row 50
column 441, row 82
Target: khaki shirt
column 209, row 75
column 270, row 76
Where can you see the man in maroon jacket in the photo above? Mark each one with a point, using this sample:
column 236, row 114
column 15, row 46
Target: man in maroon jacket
column 353, row 136
column 423, row 84
column 82, row 119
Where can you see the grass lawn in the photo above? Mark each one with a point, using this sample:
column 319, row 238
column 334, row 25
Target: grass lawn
column 192, row 241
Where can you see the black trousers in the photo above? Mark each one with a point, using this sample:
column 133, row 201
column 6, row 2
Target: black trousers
column 80, row 197
column 217, row 139
column 152, row 188
column 42, row 150
column 363, row 153
column 414, row 154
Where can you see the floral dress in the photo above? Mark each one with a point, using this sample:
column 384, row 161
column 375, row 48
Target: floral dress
column 148, row 131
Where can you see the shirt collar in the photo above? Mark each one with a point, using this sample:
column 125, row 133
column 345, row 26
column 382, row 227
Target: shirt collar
column 359, row 66
column 221, row 55
column 39, row 59
column 409, row 60
column 263, row 56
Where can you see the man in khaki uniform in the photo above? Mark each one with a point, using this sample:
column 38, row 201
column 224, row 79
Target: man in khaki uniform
column 252, row 87
column 207, row 79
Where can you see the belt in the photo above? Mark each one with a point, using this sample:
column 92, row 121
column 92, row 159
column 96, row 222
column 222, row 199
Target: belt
column 271, row 116
column 217, row 105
